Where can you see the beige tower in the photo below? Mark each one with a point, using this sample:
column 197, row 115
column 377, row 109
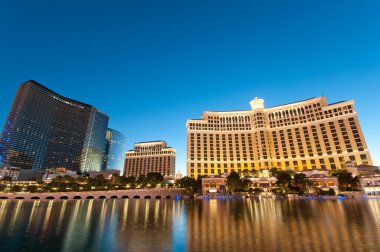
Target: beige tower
column 308, row 134
column 148, row 157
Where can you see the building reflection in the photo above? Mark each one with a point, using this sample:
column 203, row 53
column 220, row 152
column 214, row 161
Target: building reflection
column 167, row 225
column 269, row 225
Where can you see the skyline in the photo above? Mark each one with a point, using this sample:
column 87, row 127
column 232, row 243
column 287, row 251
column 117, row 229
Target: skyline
column 191, row 60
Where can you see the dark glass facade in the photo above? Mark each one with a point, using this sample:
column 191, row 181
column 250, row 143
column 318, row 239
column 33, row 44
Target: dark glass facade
column 115, row 150
column 45, row 130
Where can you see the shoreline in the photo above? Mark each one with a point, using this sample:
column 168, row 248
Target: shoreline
column 170, row 193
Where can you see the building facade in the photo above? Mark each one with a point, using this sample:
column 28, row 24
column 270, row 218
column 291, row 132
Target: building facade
column 213, row 184
column 115, row 150
column 310, row 134
column 12, row 172
column 359, row 170
column 148, row 157
column 45, row 130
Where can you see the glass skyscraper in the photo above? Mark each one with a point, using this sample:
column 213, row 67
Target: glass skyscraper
column 46, row 130
column 115, row 150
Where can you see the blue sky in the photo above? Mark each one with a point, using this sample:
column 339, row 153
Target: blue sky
column 151, row 65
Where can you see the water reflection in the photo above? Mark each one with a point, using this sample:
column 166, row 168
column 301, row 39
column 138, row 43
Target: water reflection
column 166, row 225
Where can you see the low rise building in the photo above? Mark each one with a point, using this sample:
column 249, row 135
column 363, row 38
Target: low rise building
column 262, row 179
column 308, row 173
column 370, row 184
column 213, row 184
column 10, row 171
column 359, row 170
column 106, row 173
column 325, row 182
column 30, row 175
column 50, row 174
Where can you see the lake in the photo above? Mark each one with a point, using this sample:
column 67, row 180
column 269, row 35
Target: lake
column 189, row 225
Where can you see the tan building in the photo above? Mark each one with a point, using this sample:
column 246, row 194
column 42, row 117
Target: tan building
column 359, row 170
column 309, row 134
column 213, row 184
column 150, row 157
column 12, row 172
column 370, row 184
column 325, row 182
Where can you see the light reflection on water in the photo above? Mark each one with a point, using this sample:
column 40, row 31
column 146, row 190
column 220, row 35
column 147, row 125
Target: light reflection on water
column 166, row 225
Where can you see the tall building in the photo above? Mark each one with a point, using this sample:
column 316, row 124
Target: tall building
column 150, row 157
column 46, row 130
column 308, row 134
column 115, row 150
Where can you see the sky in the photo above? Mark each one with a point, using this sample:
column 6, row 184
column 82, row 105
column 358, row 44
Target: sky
column 151, row 65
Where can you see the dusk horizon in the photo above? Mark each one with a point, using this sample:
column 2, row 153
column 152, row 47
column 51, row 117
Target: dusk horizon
column 181, row 150
column 189, row 125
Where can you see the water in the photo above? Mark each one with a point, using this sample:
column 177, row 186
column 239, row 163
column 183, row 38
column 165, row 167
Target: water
column 167, row 225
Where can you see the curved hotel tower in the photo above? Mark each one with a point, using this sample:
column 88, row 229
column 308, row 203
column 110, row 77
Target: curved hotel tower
column 46, row 130
column 115, row 150
column 304, row 135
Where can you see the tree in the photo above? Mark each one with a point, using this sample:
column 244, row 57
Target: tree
column 185, row 182
column 283, row 179
column 331, row 192
column 189, row 183
column 355, row 183
column 300, row 181
column 154, row 178
column 345, row 179
column 142, row 181
column 197, row 188
column 32, row 188
column 15, row 188
column 99, row 180
column 7, row 179
column 247, row 184
column 274, row 171
column 234, row 182
column 130, row 181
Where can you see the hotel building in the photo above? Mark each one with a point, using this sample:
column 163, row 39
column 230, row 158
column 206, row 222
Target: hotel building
column 150, row 157
column 115, row 150
column 309, row 134
column 45, row 130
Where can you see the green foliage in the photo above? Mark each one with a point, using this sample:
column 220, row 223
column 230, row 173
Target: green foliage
column 283, row 179
column 234, row 182
column 346, row 181
column 300, row 182
column 154, row 178
column 274, row 171
column 7, row 179
column 32, row 188
column 331, row 192
column 192, row 185
column 247, row 184
column 15, row 188
column 67, row 183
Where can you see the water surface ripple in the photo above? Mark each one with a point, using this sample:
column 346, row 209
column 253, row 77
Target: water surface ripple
column 201, row 225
